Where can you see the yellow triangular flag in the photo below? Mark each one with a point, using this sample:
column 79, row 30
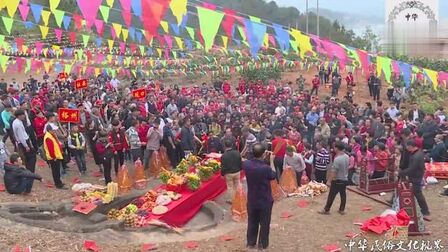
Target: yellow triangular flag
column 43, row 31
column 110, row 43
column 179, row 42
column 47, row 65
column 54, row 4
column 97, row 71
column 45, row 16
column 117, row 28
column 225, row 41
column 125, row 33
column 164, row 25
column 179, row 8
column 159, row 51
column 266, row 40
column 11, row 6
column 110, row 3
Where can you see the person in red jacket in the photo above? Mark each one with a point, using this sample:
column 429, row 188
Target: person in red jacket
column 39, row 126
column 226, row 88
column 117, row 139
column 350, row 80
column 316, row 84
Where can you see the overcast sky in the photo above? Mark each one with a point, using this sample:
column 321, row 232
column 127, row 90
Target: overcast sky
column 369, row 7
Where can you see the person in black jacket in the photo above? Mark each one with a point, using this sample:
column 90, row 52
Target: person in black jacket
column 438, row 152
column 231, row 164
column 429, row 129
column 18, row 180
column 415, row 172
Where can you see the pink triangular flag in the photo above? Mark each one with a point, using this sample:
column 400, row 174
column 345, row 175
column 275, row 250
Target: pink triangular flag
column 127, row 17
column 20, row 62
column 169, row 41
column 39, row 45
column 99, row 24
column 24, row 10
column 122, row 47
column 58, row 34
column 112, row 33
column 89, row 9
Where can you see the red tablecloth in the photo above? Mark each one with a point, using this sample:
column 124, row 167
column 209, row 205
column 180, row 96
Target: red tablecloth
column 184, row 209
column 437, row 169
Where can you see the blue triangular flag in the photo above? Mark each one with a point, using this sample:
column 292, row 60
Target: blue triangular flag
column 175, row 28
column 66, row 21
column 132, row 33
column 139, row 36
column 29, row 25
column 99, row 42
column 36, row 9
column 282, row 37
column 137, row 7
column 149, row 52
column 255, row 35
column 184, row 21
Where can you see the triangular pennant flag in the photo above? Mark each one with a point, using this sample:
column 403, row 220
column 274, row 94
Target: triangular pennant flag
column 66, row 21
column 58, row 34
column 110, row 43
column 179, row 9
column 179, row 42
column 99, row 42
column 11, row 6
column 190, row 32
column 433, row 77
column 24, row 10
column 266, row 40
column 36, row 9
column 105, row 12
column 117, row 29
column 47, row 65
column 225, row 41
column 255, row 35
column 89, row 9
column 54, row 4
column 164, row 25
column 85, row 39
column 68, row 68
column 2, row 40
column 27, row 65
column 127, row 17
column 242, row 33
column 383, row 64
column 110, row 3
column 125, row 33
column 3, row 60
column 8, row 23
column 209, row 22
column 58, row 16
column 45, row 17
column 43, row 31
column 406, row 70
column 303, row 42
column 99, row 24
column 137, row 7
column 154, row 11
column 282, row 37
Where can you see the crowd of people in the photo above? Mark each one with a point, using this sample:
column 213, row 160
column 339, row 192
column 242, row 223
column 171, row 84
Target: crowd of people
column 290, row 122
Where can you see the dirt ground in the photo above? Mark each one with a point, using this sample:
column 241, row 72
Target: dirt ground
column 305, row 230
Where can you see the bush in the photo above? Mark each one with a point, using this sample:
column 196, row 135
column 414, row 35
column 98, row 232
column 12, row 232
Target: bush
column 428, row 99
column 263, row 74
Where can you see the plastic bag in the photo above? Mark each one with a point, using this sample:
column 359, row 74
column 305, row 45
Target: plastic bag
column 239, row 205
column 139, row 175
column 164, row 159
column 276, row 191
column 124, row 180
column 288, row 181
column 155, row 166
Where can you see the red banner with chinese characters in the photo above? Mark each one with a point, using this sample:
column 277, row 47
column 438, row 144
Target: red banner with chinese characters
column 68, row 115
column 81, row 84
column 139, row 93
column 62, row 75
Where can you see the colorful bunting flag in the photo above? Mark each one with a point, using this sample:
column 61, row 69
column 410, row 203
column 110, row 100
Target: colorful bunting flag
column 36, row 9
column 24, row 10
column 45, row 17
column 43, row 31
column 406, row 71
column 89, row 9
column 54, row 4
column 209, row 22
column 58, row 34
column 137, row 7
column 255, row 35
column 383, row 64
column 11, row 6
column 433, row 77
column 58, row 16
column 85, row 39
column 8, row 24
column 152, row 13
column 190, row 32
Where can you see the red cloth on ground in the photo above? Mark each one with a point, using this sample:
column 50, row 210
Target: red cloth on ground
column 381, row 224
column 184, row 209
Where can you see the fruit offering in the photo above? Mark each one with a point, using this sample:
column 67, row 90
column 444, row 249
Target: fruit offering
column 131, row 209
column 216, row 166
column 182, row 167
column 113, row 214
column 173, row 195
column 192, row 159
column 204, row 172
column 193, row 181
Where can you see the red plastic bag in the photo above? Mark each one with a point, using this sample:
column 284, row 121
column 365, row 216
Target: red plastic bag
column 139, row 175
column 276, row 191
column 239, row 205
column 124, row 180
column 155, row 166
column 288, row 181
column 164, row 160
